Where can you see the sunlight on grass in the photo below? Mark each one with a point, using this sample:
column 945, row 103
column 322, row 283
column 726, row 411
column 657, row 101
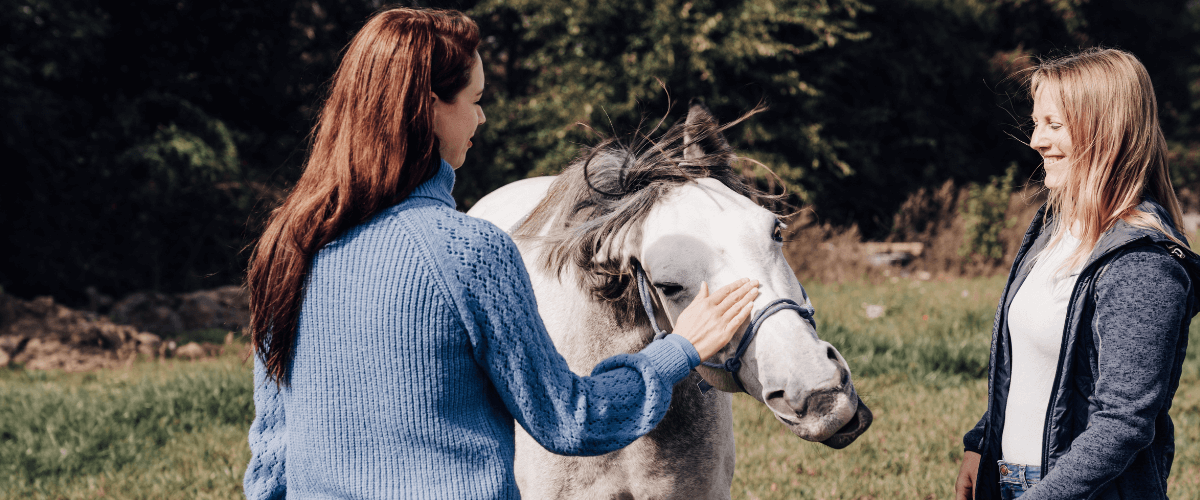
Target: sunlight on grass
column 178, row 429
column 911, row 450
column 154, row 430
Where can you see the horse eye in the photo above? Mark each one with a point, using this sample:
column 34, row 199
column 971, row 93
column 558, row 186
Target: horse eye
column 669, row 289
column 777, row 234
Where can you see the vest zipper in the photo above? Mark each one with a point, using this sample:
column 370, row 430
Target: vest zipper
column 1106, row 257
column 1062, row 351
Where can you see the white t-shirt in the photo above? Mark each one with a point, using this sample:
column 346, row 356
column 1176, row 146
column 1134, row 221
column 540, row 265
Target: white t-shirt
column 1036, row 320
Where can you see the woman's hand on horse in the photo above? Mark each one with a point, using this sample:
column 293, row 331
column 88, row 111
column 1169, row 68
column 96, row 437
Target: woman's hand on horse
column 964, row 488
column 710, row 321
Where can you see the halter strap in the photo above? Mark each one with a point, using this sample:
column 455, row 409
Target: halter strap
column 648, row 302
column 733, row 363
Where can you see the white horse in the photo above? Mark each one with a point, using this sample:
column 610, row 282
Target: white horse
column 678, row 213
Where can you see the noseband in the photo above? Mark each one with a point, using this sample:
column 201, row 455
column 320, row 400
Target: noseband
column 734, row 363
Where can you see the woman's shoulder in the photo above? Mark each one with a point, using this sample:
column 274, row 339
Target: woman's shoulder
column 1148, row 262
column 461, row 232
column 440, row 221
column 431, row 228
column 469, row 241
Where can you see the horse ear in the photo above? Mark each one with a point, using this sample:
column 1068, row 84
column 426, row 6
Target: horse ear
column 703, row 135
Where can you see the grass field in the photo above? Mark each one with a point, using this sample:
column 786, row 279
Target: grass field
column 178, row 430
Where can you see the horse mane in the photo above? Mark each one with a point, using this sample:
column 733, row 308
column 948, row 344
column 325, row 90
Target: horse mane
column 594, row 210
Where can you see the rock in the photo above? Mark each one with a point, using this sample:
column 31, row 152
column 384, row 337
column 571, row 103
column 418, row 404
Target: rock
column 191, row 350
column 148, row 344
column 873, row 311
column 226, row 307
column 148, row 311
column 50, row 354
column 41, row 334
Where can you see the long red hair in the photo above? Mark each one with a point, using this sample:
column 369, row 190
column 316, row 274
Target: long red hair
column 372, row 145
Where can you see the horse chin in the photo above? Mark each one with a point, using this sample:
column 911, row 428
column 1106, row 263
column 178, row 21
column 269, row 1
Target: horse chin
column 853, row 420
column 854, row 428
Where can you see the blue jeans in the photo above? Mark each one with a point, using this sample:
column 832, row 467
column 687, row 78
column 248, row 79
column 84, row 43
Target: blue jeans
column 1016, row 479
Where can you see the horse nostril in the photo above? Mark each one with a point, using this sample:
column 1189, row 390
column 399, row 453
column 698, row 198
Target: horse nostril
column 778, row 402
column 831, row 353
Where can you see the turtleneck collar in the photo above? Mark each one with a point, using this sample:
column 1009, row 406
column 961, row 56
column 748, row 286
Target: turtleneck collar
column 439, row 187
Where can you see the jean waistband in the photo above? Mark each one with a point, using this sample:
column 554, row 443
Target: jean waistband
column 1027, row 475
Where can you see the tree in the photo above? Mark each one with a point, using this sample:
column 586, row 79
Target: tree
column 560, row 71
column 139, row 136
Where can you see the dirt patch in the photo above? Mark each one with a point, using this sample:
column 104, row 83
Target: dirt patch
column 226, row 308
column 43, row 335
column 40, row 334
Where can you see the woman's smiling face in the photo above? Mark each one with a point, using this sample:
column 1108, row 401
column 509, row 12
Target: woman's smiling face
column 1050, row 138
column 454, row 123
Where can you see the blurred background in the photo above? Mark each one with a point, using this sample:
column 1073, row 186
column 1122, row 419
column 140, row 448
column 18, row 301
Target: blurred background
column 144, row 141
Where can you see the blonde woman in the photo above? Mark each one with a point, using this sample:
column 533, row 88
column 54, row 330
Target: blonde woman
column 1093, row 322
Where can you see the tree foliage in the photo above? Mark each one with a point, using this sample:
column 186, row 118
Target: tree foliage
column 144, row 140
column 562, row 71
column 140, row 136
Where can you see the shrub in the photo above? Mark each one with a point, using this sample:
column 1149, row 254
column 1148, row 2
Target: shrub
column 983, row 216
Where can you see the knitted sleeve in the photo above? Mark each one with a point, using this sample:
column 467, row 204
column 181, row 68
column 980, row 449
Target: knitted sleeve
column 1141, row 307
column 625, row 396
column 264, row 477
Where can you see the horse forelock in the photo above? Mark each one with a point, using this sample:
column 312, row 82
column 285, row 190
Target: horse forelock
column 592, row 217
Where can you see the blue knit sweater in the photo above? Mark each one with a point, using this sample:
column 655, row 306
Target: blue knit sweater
column 419, row 343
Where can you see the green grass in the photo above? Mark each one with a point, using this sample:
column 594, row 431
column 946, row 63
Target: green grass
column 937, row 332
column 178, row 429
column 155, row 430
column 911, row 450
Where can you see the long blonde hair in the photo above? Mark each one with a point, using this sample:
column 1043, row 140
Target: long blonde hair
column 1119, row 152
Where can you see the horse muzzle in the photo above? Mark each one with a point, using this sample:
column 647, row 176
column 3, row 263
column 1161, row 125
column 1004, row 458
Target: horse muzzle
column 821, row 415
column 857, row 425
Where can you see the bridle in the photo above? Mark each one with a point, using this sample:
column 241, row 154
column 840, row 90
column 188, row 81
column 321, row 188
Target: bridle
column 734, row 363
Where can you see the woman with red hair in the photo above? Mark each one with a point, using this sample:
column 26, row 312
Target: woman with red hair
column 397, row 340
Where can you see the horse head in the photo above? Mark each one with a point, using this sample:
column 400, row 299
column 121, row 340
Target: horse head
column 676, row 210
